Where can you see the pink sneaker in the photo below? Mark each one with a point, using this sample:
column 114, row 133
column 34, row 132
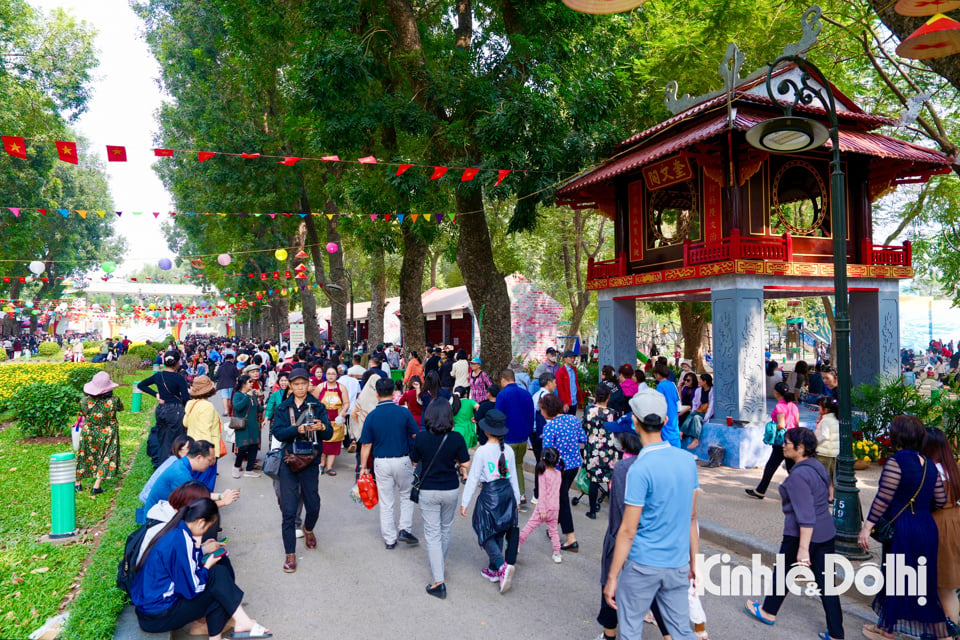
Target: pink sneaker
column 490, row 574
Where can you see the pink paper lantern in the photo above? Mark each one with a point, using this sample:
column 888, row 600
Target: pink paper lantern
column 332, row 247
column 224, row 259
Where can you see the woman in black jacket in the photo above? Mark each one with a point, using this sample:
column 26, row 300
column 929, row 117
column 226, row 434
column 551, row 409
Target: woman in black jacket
column 301, row 424
column 172, row 393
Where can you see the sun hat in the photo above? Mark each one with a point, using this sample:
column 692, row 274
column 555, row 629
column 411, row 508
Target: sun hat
column 100, row 384
column 494, row 423
column 687, row 362
column 297, row 374
column 243, row 357
column 476, row 361
column 201, row 386
column 250, row 368
column 644, row 404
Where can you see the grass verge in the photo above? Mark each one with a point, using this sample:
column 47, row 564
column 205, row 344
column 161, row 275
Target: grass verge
column 38, row 577
column 93, row 614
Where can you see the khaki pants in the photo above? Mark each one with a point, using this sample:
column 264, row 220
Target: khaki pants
column 519, row 451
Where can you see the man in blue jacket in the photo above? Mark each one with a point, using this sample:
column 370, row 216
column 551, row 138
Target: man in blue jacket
column 517, row 404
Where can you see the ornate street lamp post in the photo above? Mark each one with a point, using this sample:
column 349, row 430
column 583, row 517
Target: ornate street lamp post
column 792, row 134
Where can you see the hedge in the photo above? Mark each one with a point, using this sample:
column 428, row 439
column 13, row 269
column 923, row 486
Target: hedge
column 48, row 349
column 14, row 376
column 94, row 612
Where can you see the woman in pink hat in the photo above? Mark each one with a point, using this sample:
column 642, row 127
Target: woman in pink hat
column 98, row 455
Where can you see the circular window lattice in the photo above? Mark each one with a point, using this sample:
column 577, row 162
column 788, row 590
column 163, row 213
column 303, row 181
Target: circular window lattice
column 680, row 198
column 798, row 191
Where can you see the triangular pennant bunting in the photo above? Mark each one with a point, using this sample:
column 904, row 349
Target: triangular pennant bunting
column 468, row 175
column 503, row 173
column 203, row 156
column 367, row 160
column 403, row 168
column 15, row 211
column 438, row 172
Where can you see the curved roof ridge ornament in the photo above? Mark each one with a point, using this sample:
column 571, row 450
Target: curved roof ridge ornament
column 811, row 26
column 732, row 63
column 910, row 114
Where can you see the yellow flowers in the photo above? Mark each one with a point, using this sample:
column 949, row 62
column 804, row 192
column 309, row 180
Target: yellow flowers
column 14, row 376
column 866, row 450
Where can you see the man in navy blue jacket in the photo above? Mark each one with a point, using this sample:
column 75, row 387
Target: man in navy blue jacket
column 517, row 404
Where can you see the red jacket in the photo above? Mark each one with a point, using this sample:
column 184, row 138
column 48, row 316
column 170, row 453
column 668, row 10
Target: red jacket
column 563, row 386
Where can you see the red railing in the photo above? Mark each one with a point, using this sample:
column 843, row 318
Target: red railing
column 738, row 248
column 607, row 268
column 889, row 255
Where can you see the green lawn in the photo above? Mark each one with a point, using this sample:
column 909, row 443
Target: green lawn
column 36, row 577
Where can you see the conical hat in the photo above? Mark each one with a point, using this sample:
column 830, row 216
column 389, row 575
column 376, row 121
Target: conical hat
column 603, row 6
column 938, row 38
column 918, row 8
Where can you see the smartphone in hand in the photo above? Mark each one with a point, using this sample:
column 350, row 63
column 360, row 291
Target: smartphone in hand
column 222, row 551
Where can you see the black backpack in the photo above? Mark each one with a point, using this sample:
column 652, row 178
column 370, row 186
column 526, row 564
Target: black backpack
column 126, row 568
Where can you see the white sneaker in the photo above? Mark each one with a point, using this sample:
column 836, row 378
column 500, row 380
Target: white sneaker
column 533, row 501
column 557, row 558
column 251, row 474
column 506, row 577
column 299, row 533
column 236, row 472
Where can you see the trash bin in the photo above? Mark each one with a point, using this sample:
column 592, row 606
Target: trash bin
column 136, row 400
column 63, row 504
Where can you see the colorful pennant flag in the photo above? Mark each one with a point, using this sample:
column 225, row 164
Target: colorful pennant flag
column 116, row 154
column 290, row 161
column 468, row 175
column 331, row 158
column 203, row 156
column 403, row 169
column 438, row 172
column 15, row 211
column 15, row 146
column 249, row 156
column 367, row 160
column 503, row 173
column 67, row 151
column 163, row 153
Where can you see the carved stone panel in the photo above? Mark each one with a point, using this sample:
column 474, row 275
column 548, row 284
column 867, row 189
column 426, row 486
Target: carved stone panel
column 738, row 354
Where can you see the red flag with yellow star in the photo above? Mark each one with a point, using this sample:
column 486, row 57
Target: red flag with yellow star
column 67, row 151
column 15, row 146
column 116, row 154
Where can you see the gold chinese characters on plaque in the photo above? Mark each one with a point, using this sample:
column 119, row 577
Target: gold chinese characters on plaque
column 667, row 172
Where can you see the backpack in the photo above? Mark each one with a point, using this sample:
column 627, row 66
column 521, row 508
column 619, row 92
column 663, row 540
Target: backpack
column 131, row 550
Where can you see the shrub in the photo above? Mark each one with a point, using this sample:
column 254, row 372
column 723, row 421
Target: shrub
column 15, row 376
column 126, row 365
column 45, row 409
column 143, row 352
column 76, row 378
column 3, row 354
column 885, row 401
column 48, row 349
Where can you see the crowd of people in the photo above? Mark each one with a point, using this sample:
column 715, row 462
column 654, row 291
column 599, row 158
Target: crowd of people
column 450, row 434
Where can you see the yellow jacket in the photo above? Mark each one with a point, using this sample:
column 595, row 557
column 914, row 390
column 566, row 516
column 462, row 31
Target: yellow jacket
column 203, row 422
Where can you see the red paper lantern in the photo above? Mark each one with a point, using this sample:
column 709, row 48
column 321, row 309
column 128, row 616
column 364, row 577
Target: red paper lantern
column 938, row 38
column 918, row 8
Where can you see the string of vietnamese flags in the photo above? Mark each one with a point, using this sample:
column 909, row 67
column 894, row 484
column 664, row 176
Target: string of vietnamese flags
column 83, row 213
column 16, row 146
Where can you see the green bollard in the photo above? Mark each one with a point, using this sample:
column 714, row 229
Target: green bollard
column 63, row 503
column 136, row 400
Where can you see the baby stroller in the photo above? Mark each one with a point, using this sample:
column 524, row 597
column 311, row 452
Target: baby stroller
column 583, row 485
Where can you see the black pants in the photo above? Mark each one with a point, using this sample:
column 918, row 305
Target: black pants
column 169, row 425
column 248, row 451
column 493, row 546
column 566, row 515
column 594, row 494
column 293, row 486
column 217, row 602
column 831, row 604
column 536, row 443
column 776, row 457
column 572, row 409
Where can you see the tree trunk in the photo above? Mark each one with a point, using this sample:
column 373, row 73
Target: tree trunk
column 691, row 327
column 828, row 309
column 412, row 325
column 485, row 283
column 434, row 260
column 378, row 297
column 338, row 301
column 308, row 235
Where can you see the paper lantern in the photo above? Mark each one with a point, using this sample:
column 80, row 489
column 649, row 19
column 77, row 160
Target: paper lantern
column 37, row 267
column 165, row 264
column 224, row 259
column 28, row 303
column 601, row 7
column 126, row 307
column 332, row 247
column 280, row 254
column 153, row 307
column 938, row 38
column 232, row 300
column 301, row 255
column 917, row 8
column 259, row 296
column 109, row 267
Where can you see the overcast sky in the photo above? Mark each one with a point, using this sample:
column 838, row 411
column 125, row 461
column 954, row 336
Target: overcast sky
column 121, row 112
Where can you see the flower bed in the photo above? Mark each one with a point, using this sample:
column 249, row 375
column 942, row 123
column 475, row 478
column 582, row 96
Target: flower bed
column 14, row 376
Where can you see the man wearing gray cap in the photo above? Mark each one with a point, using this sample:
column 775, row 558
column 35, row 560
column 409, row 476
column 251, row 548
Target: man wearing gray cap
column 649, row 559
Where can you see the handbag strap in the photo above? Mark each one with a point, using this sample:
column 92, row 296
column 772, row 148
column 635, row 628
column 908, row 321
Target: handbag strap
column 915, row 494
column 435, row 454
